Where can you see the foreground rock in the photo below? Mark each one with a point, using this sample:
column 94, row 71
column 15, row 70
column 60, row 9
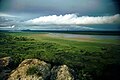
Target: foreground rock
column 4, row 62
column 34, row 69
column 61, row 73
column 5, row 70
column 21, row 72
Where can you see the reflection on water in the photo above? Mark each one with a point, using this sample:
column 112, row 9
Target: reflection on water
column 64, row 35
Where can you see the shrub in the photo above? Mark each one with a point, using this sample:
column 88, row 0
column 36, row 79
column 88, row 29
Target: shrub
column 33, row 70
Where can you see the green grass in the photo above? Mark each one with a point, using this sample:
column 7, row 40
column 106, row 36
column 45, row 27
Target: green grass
column 85, row 57
column 90, row 45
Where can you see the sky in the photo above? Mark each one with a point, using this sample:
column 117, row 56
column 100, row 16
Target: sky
column 60, row 14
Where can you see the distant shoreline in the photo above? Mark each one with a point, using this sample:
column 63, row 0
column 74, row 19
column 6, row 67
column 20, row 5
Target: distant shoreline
column 71, row 32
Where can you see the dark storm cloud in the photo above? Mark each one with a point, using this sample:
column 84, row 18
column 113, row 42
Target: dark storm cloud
column 5, row 5
column 117, row 4
column 84, row 7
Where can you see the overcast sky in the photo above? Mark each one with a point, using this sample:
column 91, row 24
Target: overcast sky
column 59, row 14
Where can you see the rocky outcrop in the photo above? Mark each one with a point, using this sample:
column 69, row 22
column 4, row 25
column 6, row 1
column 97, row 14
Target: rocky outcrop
column 4, row 67
column 34, row 69
column 4, row 62
column 21, row 72
column 61, row 73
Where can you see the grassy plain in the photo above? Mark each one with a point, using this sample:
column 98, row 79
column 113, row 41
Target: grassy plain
column 90, row 57
column 82, row 43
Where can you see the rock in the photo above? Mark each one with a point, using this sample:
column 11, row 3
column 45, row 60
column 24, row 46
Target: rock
column 34, row 69
column 4, row 67
column 61, row 73
column 21, row 72
column 5, row 61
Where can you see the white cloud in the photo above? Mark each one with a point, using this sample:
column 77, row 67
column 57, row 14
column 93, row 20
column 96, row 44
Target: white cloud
column 6, row 15
column 86, row 28
column 73, row 19
column 8, row 27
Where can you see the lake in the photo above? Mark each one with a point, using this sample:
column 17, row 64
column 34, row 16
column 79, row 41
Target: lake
column 65, row 35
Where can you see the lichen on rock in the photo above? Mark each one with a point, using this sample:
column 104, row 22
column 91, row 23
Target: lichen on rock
column 61, row 73
column 21, row 72
column 5, row 70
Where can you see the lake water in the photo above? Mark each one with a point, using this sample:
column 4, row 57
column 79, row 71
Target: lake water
column 64, row 35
